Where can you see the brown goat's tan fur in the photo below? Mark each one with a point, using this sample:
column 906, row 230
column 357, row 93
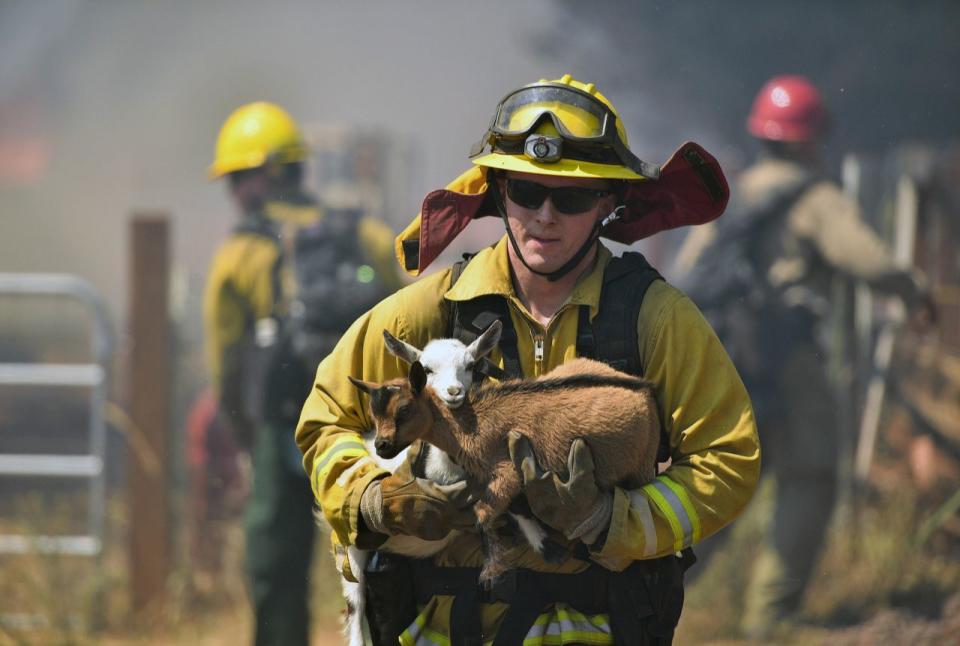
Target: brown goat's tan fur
column 614, row 413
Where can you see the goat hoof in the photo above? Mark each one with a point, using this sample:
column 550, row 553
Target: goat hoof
column 553, row 552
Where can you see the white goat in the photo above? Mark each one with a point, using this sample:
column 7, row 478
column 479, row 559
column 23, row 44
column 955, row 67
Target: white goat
column 449, row 365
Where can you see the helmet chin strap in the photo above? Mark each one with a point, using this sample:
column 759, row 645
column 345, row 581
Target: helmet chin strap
column 571, row 264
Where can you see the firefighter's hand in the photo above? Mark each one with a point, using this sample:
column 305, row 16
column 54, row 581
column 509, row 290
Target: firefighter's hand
column 405, row 504
column 574, row 506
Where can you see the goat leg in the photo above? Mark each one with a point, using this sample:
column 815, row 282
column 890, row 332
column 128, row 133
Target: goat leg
column 495, row 500
column 501, row 489
column 496, row 549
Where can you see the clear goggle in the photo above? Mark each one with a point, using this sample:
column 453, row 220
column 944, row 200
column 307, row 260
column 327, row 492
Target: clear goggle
column 587, row 129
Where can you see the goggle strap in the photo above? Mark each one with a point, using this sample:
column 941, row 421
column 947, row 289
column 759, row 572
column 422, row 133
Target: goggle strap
column 481, row 145
column 634, row 163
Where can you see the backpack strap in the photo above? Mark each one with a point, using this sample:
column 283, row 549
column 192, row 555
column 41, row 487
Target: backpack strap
column 611, row 336
column 256, row 224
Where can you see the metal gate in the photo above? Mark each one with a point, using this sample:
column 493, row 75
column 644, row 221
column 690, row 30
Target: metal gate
column 89, row 466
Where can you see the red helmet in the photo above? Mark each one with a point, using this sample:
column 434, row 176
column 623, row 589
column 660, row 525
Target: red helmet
column 788, row 108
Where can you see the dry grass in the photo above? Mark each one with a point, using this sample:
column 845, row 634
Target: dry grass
column 57, row 600
column 874, row 582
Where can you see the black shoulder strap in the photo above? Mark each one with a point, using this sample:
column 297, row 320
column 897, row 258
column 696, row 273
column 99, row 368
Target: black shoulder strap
column 258, row 225
column 466, row 320
column 611, row 336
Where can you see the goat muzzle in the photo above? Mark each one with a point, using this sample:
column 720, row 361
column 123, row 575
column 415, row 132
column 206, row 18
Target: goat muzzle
column 386, row 449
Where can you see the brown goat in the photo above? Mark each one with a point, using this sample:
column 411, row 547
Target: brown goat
column 613, row 412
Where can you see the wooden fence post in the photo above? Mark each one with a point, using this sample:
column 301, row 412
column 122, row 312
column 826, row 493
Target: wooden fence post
column 149, row 392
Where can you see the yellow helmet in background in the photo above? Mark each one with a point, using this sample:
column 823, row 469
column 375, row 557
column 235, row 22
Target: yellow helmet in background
column 560, row 127
column 255, row 134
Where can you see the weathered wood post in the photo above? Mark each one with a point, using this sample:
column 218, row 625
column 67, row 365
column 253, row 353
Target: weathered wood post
column 148, row 389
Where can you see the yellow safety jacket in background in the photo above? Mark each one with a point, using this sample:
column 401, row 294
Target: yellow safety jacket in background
column 703, row 405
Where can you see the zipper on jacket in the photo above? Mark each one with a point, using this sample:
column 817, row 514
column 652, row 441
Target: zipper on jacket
column 538, row 352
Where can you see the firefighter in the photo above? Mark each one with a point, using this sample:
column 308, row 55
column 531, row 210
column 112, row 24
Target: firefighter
column 259, row 376
column 555, row 166
column 797, row 233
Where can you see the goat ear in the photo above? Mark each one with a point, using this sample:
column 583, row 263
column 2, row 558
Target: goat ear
column 487, row 341
column 364, row 386
column 418, row 377
column 400, row 349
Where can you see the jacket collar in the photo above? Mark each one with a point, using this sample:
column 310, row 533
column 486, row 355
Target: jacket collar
column 488, row 273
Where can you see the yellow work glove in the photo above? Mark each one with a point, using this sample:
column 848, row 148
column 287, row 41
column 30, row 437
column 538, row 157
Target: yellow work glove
column 402, row 503
column 574, row 506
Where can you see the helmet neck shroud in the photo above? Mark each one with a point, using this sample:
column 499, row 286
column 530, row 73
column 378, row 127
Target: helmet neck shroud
column 571, row 264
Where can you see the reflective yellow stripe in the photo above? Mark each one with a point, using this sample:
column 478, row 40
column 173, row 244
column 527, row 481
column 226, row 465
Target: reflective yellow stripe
column 349, row 471
column 418, row 634
column 673, row 510
column 688, row 507
column 431, row 638
column 565, row 626
column 640, row 504
column 346, row 446
column 556, row 627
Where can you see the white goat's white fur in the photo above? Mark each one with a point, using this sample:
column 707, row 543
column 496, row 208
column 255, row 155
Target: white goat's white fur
column 449, row 364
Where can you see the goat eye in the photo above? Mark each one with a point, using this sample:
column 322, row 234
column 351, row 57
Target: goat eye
column 402, row 414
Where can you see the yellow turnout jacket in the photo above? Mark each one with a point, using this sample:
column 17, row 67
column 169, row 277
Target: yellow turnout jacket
column 703, row 406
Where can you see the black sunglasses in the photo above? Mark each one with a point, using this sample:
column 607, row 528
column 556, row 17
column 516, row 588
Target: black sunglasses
column 568, row 200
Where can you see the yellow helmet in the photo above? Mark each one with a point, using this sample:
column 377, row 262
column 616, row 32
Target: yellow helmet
column 255, row 134
column 560, row 127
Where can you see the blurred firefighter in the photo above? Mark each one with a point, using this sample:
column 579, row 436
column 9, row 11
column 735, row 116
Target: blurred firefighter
column 281, row 290
column 763, row 277
column 554, row 166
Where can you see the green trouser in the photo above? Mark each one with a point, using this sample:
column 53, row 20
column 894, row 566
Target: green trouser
column 280, row 534
column 800, row 444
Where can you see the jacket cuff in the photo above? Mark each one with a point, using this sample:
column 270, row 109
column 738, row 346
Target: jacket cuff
column 599, row 519
column 351, row 504
column 371, row 508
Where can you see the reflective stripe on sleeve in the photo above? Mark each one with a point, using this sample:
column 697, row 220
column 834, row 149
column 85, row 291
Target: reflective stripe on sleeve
column 688, row 507
column 675, row 506
column 348, row 473
column 342, row 447
column 640, row 504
